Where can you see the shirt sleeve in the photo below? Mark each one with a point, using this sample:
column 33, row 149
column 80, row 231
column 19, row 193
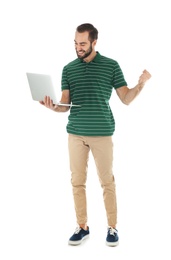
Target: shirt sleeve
column 64, row 81
column 118, row 77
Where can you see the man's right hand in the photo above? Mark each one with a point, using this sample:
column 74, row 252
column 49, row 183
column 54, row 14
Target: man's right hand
column 48, row 102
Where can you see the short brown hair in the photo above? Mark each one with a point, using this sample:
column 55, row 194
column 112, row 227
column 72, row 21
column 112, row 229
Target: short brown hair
column 87, row 27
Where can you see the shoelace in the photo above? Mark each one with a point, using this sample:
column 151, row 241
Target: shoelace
column 112, row 231
column 77, row 230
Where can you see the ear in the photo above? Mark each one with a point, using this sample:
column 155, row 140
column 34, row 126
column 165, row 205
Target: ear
column 94, row 43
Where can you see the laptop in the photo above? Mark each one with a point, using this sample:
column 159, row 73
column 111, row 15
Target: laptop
column 41, row 85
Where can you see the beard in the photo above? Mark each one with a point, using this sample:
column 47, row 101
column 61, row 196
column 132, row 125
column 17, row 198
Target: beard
column 85, row 53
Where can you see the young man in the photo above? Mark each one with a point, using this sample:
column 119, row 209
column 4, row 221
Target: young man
column 88, row 81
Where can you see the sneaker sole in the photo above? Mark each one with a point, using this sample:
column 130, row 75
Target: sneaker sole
column 75, row 243
column 112, row 243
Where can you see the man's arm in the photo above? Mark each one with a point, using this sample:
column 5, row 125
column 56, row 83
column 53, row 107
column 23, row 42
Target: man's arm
column 127, row 95
column 65, row 98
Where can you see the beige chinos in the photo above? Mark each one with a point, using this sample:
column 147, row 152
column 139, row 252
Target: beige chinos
column 102, row 151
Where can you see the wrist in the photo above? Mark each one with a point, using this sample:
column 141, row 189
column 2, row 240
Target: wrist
column 140, row 85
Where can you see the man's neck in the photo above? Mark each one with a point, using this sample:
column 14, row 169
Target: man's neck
column 90, row 57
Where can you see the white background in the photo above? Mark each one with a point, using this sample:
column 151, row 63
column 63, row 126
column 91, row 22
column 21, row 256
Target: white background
column 36, row 208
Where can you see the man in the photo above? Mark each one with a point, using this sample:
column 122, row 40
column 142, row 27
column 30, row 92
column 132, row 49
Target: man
column 88, row 82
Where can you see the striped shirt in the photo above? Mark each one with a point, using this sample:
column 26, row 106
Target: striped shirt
column 91, row 85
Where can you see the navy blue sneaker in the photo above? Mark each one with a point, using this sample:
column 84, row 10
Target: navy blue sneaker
column 112, row 238
column 79, row 235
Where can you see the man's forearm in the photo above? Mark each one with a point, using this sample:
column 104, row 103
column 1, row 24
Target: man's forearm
column 133, row 93
column 61, row 108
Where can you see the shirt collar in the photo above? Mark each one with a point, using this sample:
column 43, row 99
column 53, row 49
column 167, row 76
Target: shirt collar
column 97, row 57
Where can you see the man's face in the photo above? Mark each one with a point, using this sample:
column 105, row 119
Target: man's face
column 83, row 46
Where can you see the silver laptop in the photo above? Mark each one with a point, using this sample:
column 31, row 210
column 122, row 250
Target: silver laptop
column 41, row 85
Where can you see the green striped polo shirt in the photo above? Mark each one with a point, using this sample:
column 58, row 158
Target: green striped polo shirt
column 91, row 86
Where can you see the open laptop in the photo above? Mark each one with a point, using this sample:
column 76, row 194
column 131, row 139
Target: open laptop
column 41, row 85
